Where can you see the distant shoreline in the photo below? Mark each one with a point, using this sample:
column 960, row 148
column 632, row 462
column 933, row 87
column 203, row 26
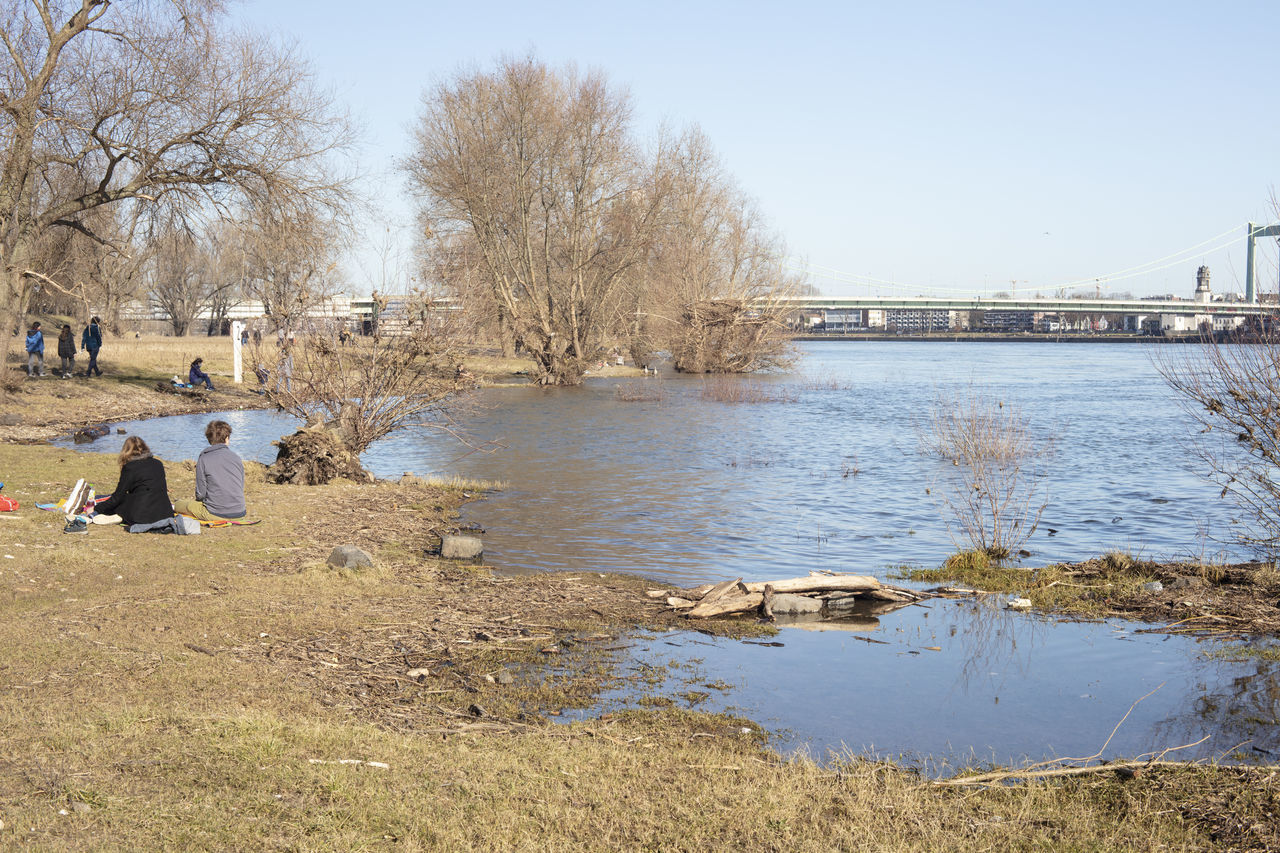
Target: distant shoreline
column 955, row 337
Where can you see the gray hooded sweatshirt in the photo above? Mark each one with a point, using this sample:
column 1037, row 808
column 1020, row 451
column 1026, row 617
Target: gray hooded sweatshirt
column 220, row 481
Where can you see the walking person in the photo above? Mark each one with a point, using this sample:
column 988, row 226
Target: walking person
column 219, row 479
column 67, row 350
column 35, row 350
column 91, row 342
column 196, row 376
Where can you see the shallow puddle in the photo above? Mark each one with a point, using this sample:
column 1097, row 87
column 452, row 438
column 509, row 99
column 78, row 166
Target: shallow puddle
column 962, row 682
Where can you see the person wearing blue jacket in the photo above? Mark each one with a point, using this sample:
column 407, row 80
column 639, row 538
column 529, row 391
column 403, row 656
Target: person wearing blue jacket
column 91, row 342
column 196, row 376
column 35, row 351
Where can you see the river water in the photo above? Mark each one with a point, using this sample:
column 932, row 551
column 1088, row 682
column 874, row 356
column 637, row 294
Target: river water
column 831, row 476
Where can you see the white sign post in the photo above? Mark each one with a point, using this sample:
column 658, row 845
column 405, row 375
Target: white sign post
column 237, row 362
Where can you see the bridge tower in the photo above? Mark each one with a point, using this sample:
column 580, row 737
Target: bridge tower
column 1250, row 273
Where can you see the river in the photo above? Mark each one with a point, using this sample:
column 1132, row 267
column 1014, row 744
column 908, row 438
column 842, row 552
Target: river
column 830, row 475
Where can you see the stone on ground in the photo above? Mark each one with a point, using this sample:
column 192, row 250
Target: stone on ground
column 349, row 557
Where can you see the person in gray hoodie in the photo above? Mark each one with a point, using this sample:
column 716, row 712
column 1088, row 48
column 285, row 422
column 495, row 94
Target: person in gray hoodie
column 219, row 479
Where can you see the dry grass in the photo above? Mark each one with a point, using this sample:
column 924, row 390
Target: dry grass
column 204, row 692
column 827, row 382
column 131, row 368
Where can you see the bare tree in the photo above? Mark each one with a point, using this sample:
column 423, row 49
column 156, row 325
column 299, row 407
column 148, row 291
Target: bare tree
column 365, row 390
column 991, row 485
column 101, row 103
column 190, row 275
column 1232, row 392
column 534, row 172
column 715, row 273
column 289, row 256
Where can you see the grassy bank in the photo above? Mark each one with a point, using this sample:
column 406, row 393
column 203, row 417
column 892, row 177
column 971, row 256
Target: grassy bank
column 232, row 691
column 38, row 409
column 1206, row 599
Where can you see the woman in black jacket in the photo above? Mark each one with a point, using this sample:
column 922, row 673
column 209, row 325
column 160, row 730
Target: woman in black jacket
column 67, row 351
column 142, row 495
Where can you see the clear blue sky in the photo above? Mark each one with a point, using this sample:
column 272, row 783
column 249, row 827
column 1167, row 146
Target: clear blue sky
column 938, row 145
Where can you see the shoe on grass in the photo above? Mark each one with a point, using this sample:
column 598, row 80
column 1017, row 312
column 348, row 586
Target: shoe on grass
column 77, row 526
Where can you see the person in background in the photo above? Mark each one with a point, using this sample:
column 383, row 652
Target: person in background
column 244, row 336
column 67, row 351
column 142, row 495
column 219, row 479
column 91, row 342
column 196, row 376
column 35, row 351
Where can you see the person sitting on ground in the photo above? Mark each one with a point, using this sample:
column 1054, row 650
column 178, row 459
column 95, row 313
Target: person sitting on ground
column 219, row 479
column 67, row 351
column 142, row 495
column 35, row 351
column 197, row 376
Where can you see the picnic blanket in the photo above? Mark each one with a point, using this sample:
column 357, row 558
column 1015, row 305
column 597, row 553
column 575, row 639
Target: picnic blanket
column 223, row 522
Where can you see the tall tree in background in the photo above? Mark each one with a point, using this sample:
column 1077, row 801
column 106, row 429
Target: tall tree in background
column 289, row 256
column 715, row 274
column 102, row 103
column 193, row 270
column 533, row 174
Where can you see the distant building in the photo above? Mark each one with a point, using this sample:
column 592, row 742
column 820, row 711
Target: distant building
column 844, row 320
column 1008, row 321
column 917, row 320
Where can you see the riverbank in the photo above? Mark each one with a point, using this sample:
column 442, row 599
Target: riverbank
column 1225, row 602
column 40, row 409
column 232, row 691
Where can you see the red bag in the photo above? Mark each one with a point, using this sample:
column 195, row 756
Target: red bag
column 7, row 504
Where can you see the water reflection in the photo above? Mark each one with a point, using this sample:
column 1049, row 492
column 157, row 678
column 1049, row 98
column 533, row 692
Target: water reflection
column 1238, row 703
column 1001, row 687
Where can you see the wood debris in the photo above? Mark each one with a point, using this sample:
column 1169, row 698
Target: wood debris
column 835, row 592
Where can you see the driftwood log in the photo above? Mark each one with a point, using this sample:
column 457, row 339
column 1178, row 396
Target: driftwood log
column 840, row 583
column 838, row 594
column 725, row 605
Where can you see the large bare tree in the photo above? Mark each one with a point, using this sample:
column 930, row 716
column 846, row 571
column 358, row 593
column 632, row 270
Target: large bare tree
column 102, row 103
column 533, row 174
column 193, row 271
column 716, row 273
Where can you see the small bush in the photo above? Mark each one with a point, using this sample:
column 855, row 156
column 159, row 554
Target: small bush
column 1118, row 561
column 991, row 485
column 726, row 389
column 967, row 561
column 640, row 392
